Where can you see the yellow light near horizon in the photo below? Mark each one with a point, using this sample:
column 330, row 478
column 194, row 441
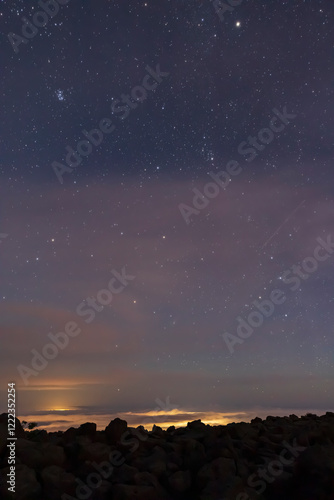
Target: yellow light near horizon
column 59, row 409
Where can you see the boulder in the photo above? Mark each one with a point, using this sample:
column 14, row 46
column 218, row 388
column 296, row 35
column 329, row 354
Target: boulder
column 242, row 431
column 87, row 429
column 124, row 474
column 220, row 469
column 69, row 435
column 146, row 479
column 175, row 458
column 157, row 431
column 56, row 480
column 316, row 464
column 233, row 489
column 29, row 453
column 115, row 429
column 156, row 467
column 180, row 481
column 196, row 425
column 156, row 461
column 193, row 454
column 131, row 492
column 95, row 452
column 53, row 455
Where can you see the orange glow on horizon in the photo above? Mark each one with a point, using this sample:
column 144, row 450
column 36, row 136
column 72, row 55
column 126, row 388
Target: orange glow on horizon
column 60, row 409
column 133, row 419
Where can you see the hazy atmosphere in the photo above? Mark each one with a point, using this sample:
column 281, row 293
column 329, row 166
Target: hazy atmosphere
column 166, row 210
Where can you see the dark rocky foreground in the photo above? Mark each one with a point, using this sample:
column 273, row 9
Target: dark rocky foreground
column 280, row 458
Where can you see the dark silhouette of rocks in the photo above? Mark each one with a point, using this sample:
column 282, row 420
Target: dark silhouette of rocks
column 277, row 458
column 115, row 430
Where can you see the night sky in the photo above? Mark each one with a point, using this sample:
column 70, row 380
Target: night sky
column 181, row 154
